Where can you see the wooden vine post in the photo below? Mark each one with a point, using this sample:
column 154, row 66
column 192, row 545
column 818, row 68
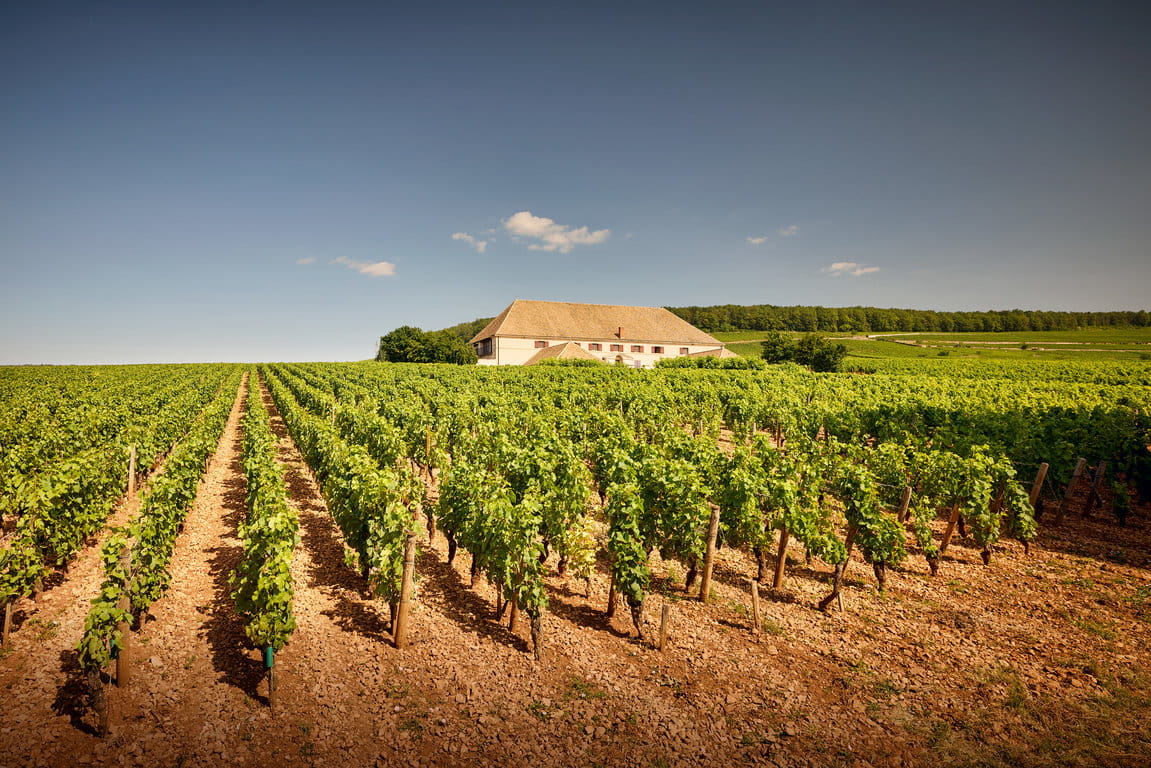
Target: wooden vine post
column 665, row 615
column 1096, row 484
column 781, row 560
column 7, row 628
column 611, row 598
column 709, row 555
column 1066, row 502
column 951, row 522
column 400, row 635
column 904, row 505
column 132, row 471
column 1037, row 486
column 755, row 620
column 270, row 665
column 537, row 633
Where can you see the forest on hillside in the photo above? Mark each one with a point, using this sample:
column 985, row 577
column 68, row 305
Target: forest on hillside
column 769, row 317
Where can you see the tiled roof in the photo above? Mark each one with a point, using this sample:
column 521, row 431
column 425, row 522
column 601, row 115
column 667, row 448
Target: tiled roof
column 566, row 351
column 724, row 352
column 564, row 320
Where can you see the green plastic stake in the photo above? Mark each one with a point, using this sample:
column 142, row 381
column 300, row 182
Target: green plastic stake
column 269, row 657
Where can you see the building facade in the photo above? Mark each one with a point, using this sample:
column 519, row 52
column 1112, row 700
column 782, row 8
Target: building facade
column 638, row 337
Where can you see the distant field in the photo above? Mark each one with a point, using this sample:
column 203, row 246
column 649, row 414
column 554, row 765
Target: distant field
column 747, row 349
column 884, row 349
column 868, row 350
column 745, row 335
column 1106, row 344
column 1089, row 337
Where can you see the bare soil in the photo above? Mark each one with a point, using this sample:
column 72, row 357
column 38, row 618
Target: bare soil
column 1038, row 659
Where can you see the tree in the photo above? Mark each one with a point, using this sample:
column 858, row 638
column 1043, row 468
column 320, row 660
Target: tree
column 812, row 350
column 401, row 345
column 828, row 357
column 777, row 348
column 819, row 354
column 407, row 344
column 446, row 347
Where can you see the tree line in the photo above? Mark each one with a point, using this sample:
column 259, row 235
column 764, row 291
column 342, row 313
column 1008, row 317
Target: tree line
column 769, row 317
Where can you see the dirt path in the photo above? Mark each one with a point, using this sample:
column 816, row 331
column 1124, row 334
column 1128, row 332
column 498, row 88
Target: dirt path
column 179, row 632
column 190, row 654
column 329, row 674
column 40, row 657
column 41, row 653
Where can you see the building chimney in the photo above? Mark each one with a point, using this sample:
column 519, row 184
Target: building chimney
column 620, row 334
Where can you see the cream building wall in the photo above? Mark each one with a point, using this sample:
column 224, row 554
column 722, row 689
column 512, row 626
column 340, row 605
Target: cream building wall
column 512, row 350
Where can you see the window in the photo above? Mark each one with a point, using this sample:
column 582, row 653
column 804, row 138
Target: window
column 637, row 348
column 657, row 350
column 484, row 347
column 541, row 345
column 683, row 350
column 595, row 347
column 617, row 347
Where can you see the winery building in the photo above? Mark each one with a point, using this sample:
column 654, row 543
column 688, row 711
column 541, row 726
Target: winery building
column 530, row 331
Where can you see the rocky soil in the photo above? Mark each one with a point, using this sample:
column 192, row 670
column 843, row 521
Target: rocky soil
column 1039, row 659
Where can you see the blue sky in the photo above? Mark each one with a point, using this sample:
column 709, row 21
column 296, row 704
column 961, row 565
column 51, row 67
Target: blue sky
column 288, row 181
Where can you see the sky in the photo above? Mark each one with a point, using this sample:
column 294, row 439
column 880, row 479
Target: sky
column 268, row 181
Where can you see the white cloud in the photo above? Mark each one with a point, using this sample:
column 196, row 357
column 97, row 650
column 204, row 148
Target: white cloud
column 848, row 268
column 306, row 260
column 479, row 245
column 552, row 236
column 757, row 240
column 789, row 231
column 370, row 268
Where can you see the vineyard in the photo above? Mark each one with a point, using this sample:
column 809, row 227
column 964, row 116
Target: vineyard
column 563, row 565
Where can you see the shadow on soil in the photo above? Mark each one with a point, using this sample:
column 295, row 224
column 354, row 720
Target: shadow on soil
column 592, row 617
column 461, row 604
column 73, row 698
column 1099, row 536
column 223, row 627
column 331, row 575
